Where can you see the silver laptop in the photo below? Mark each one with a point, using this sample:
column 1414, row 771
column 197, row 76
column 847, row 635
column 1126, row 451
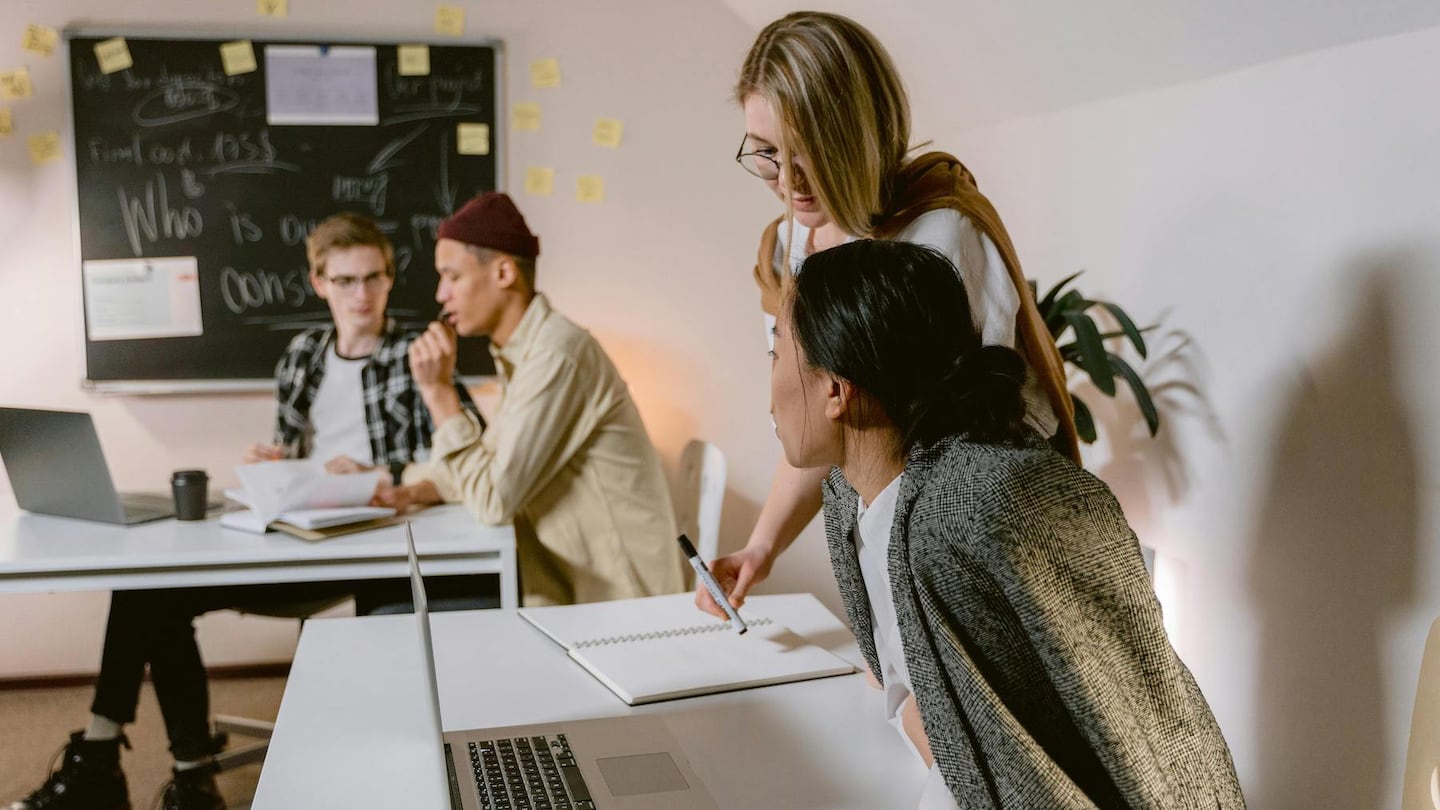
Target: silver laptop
column 56, row 468
column 618, row 763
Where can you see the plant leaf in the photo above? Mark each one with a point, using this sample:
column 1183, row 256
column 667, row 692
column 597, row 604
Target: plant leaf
column 1084, row 422
column 1092, row 352
column 1143, row 330
column 1142, row 394
column 1126, row 325
column 1072, row 301
column 1054, row 293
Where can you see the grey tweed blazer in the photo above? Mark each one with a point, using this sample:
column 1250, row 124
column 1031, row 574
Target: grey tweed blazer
column 1032, row 636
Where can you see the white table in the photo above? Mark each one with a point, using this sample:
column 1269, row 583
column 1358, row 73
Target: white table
column 352, row 731
column 39, row 553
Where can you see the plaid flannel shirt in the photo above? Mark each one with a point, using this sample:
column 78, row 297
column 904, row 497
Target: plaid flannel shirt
column 395, row 414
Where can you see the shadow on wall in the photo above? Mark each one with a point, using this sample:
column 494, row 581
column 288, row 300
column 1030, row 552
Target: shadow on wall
column 1148, row 469
column 1332, row 556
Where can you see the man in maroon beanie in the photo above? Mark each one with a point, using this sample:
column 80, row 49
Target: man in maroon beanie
column 566, row 457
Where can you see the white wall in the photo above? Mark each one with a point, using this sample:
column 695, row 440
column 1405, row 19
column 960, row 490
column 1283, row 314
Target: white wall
column 1287, row 218
column 660, row 272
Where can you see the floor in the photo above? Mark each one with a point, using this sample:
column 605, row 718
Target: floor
column 35, row 724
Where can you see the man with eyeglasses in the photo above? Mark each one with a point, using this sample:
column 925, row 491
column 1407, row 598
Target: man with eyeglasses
column 345, row 392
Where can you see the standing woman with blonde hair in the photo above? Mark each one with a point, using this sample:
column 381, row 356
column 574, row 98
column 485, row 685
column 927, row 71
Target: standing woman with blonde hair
column 827, row 128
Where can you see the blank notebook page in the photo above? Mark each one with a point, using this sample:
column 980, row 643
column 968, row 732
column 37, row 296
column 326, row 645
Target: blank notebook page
column 662, row 647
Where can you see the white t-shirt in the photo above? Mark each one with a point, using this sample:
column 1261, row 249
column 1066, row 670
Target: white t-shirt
column 872, row 545
column 994, row 303
column 337, row 414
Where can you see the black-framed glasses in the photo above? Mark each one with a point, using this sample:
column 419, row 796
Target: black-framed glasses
column 370, row 281
column 761, row 165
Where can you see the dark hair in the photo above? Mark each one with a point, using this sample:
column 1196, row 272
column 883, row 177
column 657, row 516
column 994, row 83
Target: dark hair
column 893, row 319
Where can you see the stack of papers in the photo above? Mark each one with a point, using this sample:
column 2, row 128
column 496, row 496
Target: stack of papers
column 301, row 495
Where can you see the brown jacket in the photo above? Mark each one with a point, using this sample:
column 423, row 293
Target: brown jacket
column 933, row 181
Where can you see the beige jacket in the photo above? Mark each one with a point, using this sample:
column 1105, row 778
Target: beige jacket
column 567, row 460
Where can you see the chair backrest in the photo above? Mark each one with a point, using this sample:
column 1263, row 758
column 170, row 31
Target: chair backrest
column 1421, row 790
column 702, row 477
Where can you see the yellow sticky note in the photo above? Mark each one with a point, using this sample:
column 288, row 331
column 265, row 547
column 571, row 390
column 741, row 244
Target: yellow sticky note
column 590, row 188
column 472, row 139
column 39, row 39
column 525, row 116
column 607, row 132
column 545, row 73
column 238, row 57
column 15, row 85
column 7, row 122
column 414, row 60
column 539, row 181
column 272, row 8
column 113, row 55
column 44, row 148
column 449, row 20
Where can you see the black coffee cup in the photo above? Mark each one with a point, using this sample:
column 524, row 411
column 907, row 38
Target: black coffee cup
column 189, row 487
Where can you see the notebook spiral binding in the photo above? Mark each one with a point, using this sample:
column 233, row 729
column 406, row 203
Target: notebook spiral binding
column 693, row 630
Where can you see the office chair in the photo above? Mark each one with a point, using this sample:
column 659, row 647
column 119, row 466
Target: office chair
column 1421, row 789
column 702, row 494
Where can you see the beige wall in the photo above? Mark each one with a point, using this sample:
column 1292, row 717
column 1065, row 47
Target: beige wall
column 1287, row 218
column 659, row 272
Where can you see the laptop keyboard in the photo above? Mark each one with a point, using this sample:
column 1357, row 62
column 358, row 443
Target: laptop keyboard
column 528, row 773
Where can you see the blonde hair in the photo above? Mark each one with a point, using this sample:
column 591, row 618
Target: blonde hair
column 346, row 231
column 840, row 103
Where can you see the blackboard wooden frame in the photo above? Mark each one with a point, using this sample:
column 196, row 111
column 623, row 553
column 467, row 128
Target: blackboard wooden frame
column 215, row 371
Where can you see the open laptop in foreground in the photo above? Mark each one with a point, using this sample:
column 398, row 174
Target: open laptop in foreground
column 618, row 763
column 56, row 467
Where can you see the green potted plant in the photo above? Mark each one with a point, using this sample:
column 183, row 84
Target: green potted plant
column 1067, row 316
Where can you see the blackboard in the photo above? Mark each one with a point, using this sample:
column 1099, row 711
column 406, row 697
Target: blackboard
column 175, row 158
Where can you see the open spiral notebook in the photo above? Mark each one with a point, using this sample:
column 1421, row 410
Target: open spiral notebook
column 661, row 648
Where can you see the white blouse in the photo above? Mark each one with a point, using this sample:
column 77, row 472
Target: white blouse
column 872, row 544
column 994, row 303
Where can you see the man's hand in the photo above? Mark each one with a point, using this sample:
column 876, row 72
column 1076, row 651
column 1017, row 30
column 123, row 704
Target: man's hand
column 403, row 498
column 256, row 453
column 343, row 465
column 395, row 497
column 432, row 357
column 432, row 365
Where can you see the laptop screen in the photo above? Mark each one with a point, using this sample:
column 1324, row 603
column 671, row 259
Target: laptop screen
column 427, row 655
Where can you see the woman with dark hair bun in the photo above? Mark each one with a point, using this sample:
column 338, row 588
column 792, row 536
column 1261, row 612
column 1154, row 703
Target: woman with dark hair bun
column 995, row 588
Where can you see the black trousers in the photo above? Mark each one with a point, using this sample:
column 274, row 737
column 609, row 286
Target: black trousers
column 156, row 628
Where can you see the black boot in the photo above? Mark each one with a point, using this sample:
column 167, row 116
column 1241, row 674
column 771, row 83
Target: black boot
column 89, row 778
column 193, row 789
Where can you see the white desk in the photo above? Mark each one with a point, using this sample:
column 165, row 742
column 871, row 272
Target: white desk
column 40, row 553
column 352, row 733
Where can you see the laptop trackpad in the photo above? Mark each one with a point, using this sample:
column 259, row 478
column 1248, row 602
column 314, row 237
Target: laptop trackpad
column 641, row 773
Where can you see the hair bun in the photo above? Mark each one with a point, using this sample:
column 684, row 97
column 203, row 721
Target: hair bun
column 980, row 394
column 994, row 369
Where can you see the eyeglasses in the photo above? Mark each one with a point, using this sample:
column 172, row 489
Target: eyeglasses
column 371, row 281
column 761, row 165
